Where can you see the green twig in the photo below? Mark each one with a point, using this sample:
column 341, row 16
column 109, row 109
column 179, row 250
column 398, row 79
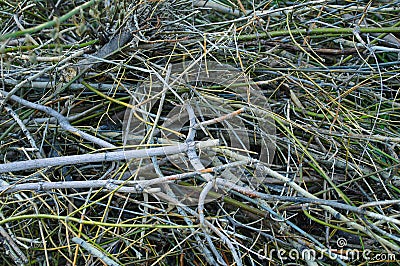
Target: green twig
column 316, row 31
column 48, row 24
column 47, row 46
column 80, row 221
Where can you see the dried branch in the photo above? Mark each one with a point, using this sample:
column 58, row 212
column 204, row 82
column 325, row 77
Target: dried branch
column 103, row 157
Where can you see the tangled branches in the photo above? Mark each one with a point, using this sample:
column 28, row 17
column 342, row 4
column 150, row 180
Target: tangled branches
column 199, row 132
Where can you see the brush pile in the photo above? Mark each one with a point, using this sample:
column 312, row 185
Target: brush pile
column 199, row 132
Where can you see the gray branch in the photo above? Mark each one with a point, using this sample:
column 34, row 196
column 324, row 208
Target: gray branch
column 103, row 157
column 94, row 251
column 64, row 123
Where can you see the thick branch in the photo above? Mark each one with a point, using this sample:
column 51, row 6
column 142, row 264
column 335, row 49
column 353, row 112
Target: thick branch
column 102, row 157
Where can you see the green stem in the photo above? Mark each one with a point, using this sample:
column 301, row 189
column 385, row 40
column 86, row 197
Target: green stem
column 86, row 222
column 317, row 31
column 314, row 164
column 330, row 225
column 48, row 24
column 48, row 46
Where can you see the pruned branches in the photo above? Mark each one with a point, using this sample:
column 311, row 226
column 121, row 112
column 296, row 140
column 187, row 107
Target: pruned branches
column 199, row 132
